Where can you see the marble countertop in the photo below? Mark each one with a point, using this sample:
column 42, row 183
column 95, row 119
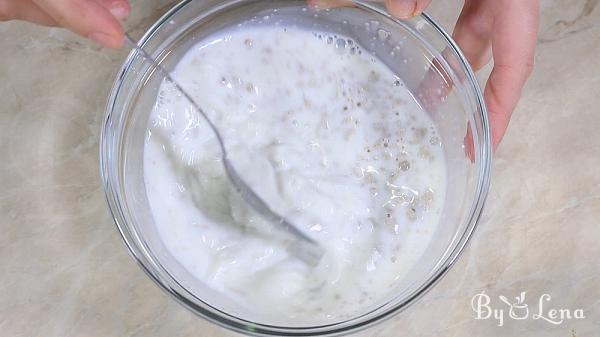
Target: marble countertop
column 65, row 272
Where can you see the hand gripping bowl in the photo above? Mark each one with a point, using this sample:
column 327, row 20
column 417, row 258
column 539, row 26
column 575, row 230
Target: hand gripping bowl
column 433, row 70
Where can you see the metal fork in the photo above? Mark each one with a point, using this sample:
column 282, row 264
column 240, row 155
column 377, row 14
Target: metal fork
column 304, row 247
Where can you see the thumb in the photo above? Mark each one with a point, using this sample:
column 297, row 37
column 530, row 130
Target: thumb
column 402, row 9
column 88, row 18
column 405, row 9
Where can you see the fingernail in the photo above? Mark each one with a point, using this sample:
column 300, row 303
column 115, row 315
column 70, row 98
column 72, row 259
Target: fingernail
column 102, row 39
column 119, row 11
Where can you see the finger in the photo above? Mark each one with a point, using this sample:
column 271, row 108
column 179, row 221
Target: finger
column 87, row 18
column 400, row 8
column 25, row 10
column 473, row 32
column 120, row 9
column 405, row 9
column 513, row 45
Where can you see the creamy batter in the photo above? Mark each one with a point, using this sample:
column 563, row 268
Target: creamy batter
column 328, row 136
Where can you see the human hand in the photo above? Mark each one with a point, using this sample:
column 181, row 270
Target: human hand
column 503, row 29
column 507, row 31
column 97, row 20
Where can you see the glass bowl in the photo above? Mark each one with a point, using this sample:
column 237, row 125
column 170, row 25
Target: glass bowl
column 433, row 69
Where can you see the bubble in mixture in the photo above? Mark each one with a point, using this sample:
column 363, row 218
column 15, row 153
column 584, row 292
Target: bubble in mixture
column 382, row 34
column 404, row 165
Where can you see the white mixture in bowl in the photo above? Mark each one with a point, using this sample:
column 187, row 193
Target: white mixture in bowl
column 328, row 136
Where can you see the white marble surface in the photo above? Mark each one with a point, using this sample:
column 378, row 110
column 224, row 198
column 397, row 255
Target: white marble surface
column 65, row 272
